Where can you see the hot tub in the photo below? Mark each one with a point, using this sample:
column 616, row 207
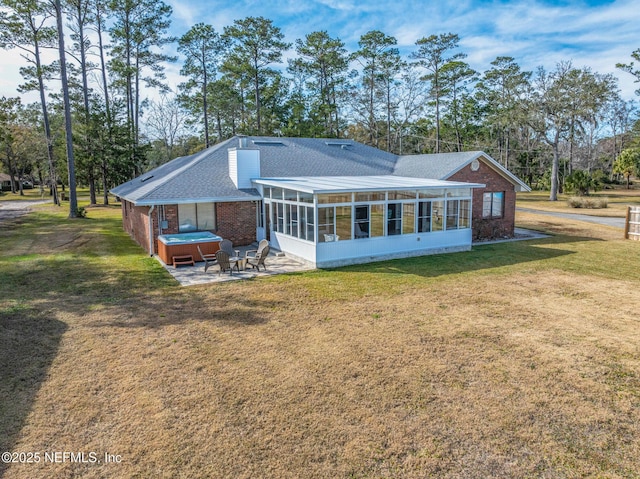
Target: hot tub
column 182, row 244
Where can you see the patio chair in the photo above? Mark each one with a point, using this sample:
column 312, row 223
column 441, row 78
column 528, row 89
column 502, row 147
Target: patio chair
column 359, row 233
column 209, row 258
column 256, row 257
column 222, row 258
column 227, row 246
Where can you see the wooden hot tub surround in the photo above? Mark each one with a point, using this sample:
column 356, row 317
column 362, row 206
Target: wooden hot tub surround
column 185, row 244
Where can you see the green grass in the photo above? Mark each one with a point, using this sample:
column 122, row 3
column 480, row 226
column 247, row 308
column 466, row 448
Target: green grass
column 511, row 360
column 52, row 254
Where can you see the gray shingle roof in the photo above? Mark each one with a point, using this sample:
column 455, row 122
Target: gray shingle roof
column 204, row 176
column 438, row 166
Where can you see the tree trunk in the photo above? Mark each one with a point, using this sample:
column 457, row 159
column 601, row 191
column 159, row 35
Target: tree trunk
column 105, row 188
column 388, row 117
column 92, row 187
column 73, row 202
column 87, row 113
column 437, row 90
column 103, row 67
column 256, row 80
column 47, row 128
column 205, row 108
column 553, row 196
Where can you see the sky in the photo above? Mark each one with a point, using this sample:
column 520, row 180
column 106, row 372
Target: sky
column 590, row 33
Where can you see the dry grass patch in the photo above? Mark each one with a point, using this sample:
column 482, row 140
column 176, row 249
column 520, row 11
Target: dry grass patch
column 616, row 200
column 513, row 360
column 588, row 202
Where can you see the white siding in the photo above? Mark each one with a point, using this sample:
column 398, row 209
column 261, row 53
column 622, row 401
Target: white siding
column 244, row 164
column 365, row 250
column 341, row 253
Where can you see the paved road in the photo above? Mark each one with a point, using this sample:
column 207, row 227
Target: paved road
column 601, row 220
column 14, row 209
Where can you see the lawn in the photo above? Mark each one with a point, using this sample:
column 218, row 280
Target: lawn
column 617, row 199
column 513, row 360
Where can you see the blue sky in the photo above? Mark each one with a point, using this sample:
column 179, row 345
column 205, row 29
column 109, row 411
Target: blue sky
column 592, row 33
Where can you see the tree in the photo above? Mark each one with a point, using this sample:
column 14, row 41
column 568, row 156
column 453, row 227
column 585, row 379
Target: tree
column 581, row 181
column 73, row 202
column 82, row 16
column 380, row 62
column 432, row 55
column 456, row 75
column 256, row 44
column 203, row 49
column 628, row 164
column 502, row 90
column 106, row 119
column 137, row 33
column 563, row 100
column 322, row 64
column 9, row 113
column 631, row 68
column 391, row 67
column 25, row 25
column 22, row 143
column 410, row 97
column 226, row 104
column 619, row 114
column 166, row 126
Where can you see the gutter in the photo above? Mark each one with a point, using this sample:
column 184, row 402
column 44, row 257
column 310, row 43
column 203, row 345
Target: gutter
column 151, row 230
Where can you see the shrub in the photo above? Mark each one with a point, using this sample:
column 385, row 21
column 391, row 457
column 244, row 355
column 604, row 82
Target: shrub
column 588, row 202
column 575, row 202
column 581, row 182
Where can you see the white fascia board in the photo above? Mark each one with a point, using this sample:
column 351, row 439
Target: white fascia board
column 324, row 185
column 186, row 201
column 497, row 167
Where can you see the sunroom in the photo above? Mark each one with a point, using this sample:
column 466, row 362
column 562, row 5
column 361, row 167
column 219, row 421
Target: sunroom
column 339, row 220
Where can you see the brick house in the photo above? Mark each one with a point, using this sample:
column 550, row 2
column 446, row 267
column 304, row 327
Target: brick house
column 325, row 201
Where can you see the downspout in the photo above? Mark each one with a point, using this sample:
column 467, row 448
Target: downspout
column 151, row 230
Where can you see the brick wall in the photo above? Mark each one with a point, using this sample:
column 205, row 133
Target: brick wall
column 489, row 228
column 171, row 216
column 237, row 222
column 135, row 221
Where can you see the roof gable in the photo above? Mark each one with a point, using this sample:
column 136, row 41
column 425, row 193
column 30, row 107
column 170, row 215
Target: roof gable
column 442, row 166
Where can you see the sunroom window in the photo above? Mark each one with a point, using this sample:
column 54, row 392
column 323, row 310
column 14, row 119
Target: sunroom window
column 437, row 216
column 326, row 225
column 306, row 223
column 362, row 222
column 424, row 216
column 452, row 214
column 394, row 219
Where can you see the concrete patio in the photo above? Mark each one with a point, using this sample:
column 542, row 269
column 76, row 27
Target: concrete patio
column 276, row 262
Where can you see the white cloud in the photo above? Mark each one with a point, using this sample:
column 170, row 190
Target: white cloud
column 184, row 12
column 533, row 32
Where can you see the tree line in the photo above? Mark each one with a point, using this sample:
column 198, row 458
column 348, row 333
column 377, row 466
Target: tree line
column 551, row 127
